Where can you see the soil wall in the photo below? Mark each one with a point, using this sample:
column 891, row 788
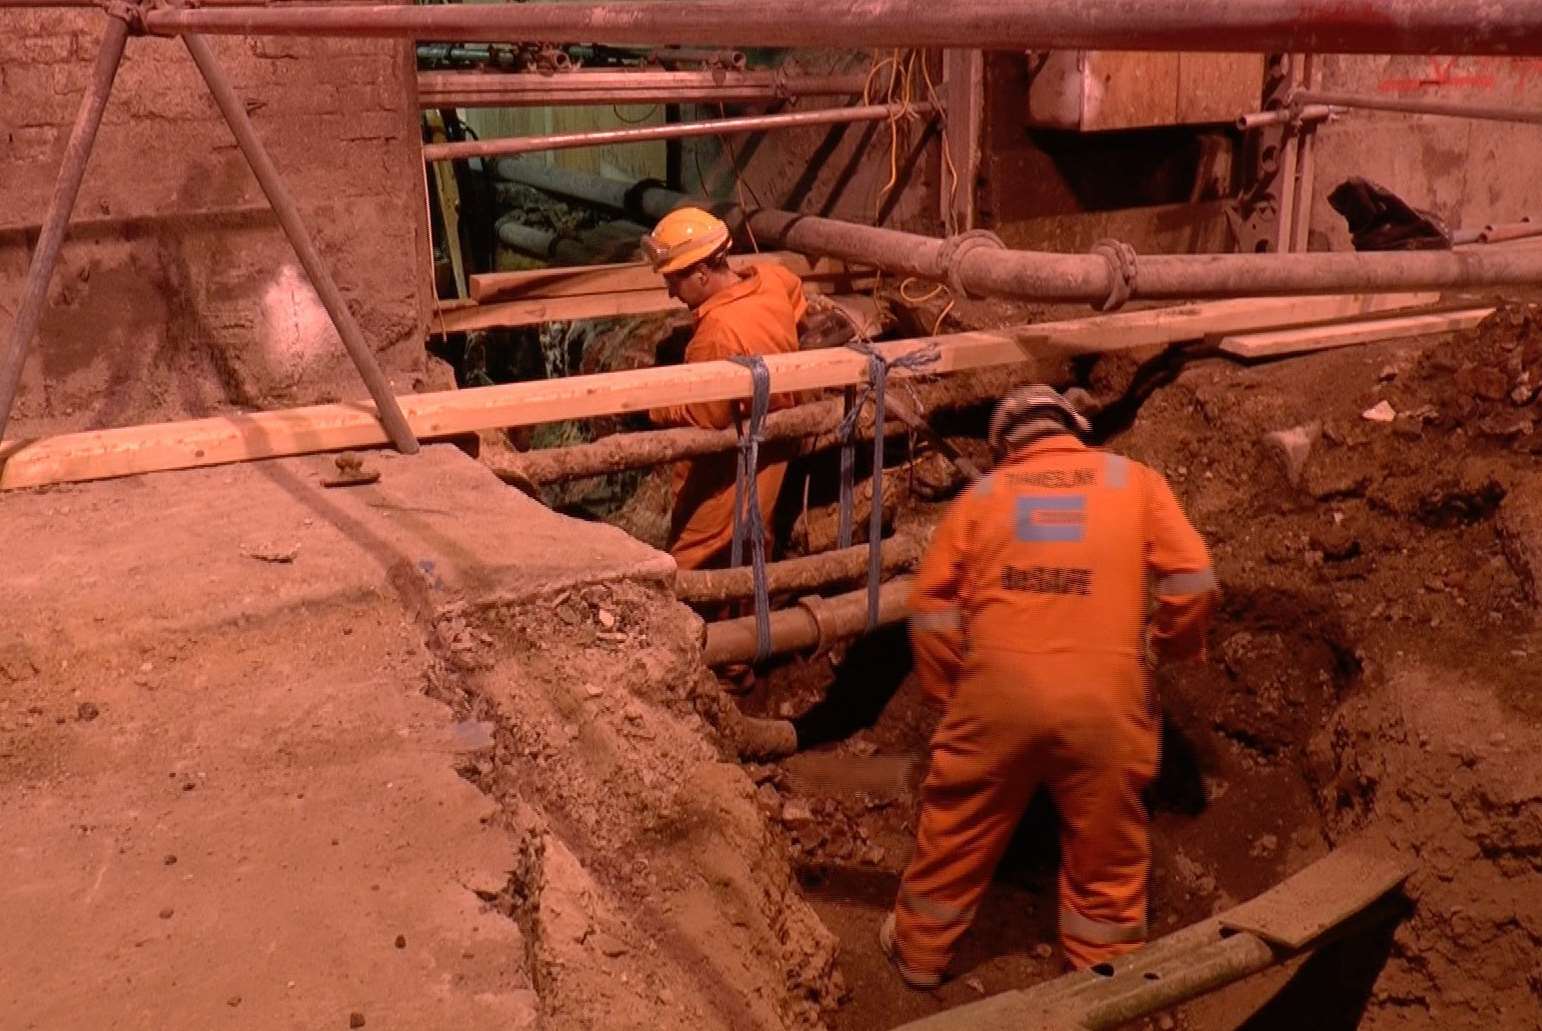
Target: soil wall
column 177, row 294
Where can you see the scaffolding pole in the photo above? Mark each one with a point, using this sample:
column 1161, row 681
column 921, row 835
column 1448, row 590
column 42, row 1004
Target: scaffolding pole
column 582, row 88
column 461, row 151
column 72, row 170
column 1304, row 100
column 1277, row 26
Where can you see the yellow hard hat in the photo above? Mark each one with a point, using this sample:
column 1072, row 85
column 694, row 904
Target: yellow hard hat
column 684, row 237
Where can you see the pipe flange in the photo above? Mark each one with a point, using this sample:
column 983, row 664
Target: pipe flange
column 129, row 12
column 817, row 609
column 956, row 247
column 1122, row 271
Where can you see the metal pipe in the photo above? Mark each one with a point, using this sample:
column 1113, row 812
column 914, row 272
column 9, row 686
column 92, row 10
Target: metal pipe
column 462, row 150
column 812, row 623
column 525, row 89
column 1450, row 109
column 1270, row 26
column 1286, row 116
column 734, row 59
column 72, row 169
column 1036, row 275
column 288, row 213
column 794, row 575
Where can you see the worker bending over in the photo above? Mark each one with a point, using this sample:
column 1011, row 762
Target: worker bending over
column 754, row 312
column 1029, row 625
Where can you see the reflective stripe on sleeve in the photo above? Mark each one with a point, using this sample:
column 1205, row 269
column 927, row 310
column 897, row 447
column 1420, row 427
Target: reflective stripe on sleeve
column 1116, row 471
column 937, row 622
column 1197, row 582
column 1099, row 932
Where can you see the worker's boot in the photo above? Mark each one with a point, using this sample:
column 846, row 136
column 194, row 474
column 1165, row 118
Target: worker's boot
column 913, row 978
column 759, row 740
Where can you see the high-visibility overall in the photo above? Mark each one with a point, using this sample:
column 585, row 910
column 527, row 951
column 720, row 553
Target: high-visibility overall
column 1029, row 624
column 757, row 316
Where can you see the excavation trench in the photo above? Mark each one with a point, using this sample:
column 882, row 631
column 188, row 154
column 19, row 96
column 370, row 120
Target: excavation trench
column 1372, row 671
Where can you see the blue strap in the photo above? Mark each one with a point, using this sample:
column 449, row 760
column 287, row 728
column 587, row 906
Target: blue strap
column 877, row 383
column 747, row 517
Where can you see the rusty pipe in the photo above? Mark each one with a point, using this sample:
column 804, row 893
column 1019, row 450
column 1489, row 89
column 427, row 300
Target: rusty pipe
column 812, row 623
column 288, row 212
column 526, row 89
column 461, row 150
column 1447, row 108
column 794, row 575
column 1270, row 26
column 72, row 170
column 1286, row 116
column 991, row 271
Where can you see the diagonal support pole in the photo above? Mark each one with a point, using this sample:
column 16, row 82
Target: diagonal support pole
column 305, row 248
column 77, row 154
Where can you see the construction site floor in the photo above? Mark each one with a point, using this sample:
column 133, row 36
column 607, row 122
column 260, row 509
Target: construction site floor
column 225, row 799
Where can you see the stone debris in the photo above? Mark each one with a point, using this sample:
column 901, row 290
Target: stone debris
column 1381, row 411
column 274, row 553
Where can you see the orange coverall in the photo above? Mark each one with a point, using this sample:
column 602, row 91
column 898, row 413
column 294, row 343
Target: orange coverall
column 1028, row 622
column 757, row 316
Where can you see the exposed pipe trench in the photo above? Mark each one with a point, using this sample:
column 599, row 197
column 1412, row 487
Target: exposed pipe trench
column 977, row 265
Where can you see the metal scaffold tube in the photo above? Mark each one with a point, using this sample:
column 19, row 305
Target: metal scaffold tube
column 680, row 130
column 1403, row 105
column 56, row 221
column 980, row 266
column 583, row 87
column 1279, row 26
column 288, row 212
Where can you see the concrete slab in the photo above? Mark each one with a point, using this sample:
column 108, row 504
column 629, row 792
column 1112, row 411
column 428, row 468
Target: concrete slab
column 224, row 799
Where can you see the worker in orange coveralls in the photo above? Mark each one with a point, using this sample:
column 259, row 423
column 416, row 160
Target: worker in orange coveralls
column 1029, row 625
column 753, row 312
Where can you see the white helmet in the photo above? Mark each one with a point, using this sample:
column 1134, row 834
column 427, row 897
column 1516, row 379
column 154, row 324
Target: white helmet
column 1030, row 412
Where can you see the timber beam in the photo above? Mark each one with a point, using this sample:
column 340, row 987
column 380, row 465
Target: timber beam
column 100, row 454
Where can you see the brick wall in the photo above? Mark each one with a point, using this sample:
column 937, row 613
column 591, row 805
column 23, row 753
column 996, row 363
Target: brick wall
column 177, row 294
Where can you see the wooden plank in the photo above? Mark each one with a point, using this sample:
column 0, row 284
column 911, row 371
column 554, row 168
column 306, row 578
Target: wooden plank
column 529, row 313
column 964, row 87
column 1124, row 89
column 1275, row 343
column 577, row 280
column 1217, row 87
column 125, row 451
column 448, row 192
column 1296, row 913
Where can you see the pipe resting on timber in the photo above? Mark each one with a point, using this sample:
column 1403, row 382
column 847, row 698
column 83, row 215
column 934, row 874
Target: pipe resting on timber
column 807, row 573
column 815, row 422
column 813, row 623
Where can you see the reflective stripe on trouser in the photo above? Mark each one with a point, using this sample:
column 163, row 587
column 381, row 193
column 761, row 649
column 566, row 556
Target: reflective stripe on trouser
column 933, row 622
column 1079, row 726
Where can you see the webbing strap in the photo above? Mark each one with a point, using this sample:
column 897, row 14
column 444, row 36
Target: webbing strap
column 877, row 384
column 747, row 517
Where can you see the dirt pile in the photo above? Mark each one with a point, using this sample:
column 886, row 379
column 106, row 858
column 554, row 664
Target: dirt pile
column 651, row 891
column 1378, row 642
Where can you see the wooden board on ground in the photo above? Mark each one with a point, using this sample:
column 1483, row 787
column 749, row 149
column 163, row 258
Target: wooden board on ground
column 1123, row 330
column 545, row 283
column 187, row 444
column 1280, row 342
column 1294, row 914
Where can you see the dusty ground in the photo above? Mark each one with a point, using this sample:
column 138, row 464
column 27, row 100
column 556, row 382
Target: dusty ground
column 278, row 756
